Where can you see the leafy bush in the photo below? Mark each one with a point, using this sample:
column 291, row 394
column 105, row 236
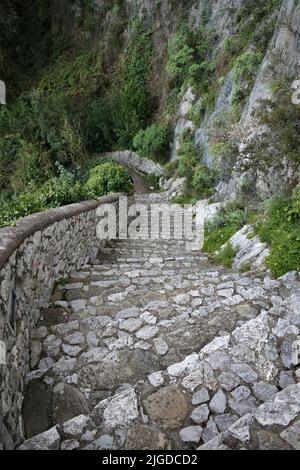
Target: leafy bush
column 76, row 77
column 180, row 57
column 188, row 155
column 153, row 142
column 226, row 256
column 245, row 72
column 63, row 189
column 107, row 178
column 9, row 146
column 227, row 222
column 280, row 228
column 203, row 181
column 171, row 168
column 189, row 57
column 95, row 122
column 200, row 180
column 32, row 165
column 130, row 98
column 283, row 119
column 55, row 192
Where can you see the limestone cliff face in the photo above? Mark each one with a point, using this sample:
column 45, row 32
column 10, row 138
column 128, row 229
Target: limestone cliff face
column 284, row 48
column 283, row 51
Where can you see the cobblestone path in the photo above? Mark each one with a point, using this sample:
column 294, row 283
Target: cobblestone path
column 152, row 347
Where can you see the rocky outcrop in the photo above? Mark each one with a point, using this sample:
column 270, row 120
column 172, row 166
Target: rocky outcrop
column 284, row 49
column 183, row 121
column 251, row 252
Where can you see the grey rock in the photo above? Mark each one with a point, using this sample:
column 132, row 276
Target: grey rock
column 287, row 353
column 244, row 372
column 105, row 442
column 71, row 351
column 156, row 379
column 240, row 393
column 199, row 397
column 225, row 421
column 120, row 410
column 280, row 409
column 286, row 378
column 147, row 317
column 218, row 402
column 161, row 346
column 78, row 305
column 75, row 338
column 130, row 324
column 52, row 346
column 200, row 414
column 242, row 407
column 210, row 430
column 48, row 440
column 292, row 435
column 147, row 332
column 35, row 352
column 70, row 444
column 264, row 391
column 229, row 381
column 95, row 354
column 128, row 313
column 75, row 427
column 191, row 434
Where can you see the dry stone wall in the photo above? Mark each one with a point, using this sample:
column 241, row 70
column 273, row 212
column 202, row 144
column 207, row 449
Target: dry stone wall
column 132, row 160
column 38, row 251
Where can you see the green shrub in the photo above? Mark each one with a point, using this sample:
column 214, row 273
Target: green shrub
column 79, row 76
column 244, row 75
column 180, row 57
column 226, row 256
column 153, row 142
column 188, row 155
column 130, row 97
column 189, row 58
column 279, row 226
column 227, row 222
column 32, row 165
column 107, row 178
column 203, row 181
column 95, row 122
column 55, row 192
column 171, row 168
column 9, row 146
column 283, row 119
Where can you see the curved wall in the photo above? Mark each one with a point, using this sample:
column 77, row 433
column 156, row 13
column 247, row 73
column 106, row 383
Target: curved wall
column 34, row 254
column 132, row 160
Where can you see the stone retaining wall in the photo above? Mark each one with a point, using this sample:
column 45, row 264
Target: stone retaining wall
column 132, row 160
column 34, row 254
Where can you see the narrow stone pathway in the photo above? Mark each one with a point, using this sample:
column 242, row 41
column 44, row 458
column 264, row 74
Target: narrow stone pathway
column 152, row 347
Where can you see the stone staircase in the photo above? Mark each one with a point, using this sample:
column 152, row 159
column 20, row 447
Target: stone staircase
column 152, row 347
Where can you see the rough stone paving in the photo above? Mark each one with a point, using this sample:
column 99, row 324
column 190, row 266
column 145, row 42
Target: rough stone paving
column 152, row 347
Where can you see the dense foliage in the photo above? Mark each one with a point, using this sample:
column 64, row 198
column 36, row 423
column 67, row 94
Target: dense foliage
column 153, row 142
column 65, row 188
column 280, row 227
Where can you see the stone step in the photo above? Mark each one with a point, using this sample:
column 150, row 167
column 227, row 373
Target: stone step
column 150, row 346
